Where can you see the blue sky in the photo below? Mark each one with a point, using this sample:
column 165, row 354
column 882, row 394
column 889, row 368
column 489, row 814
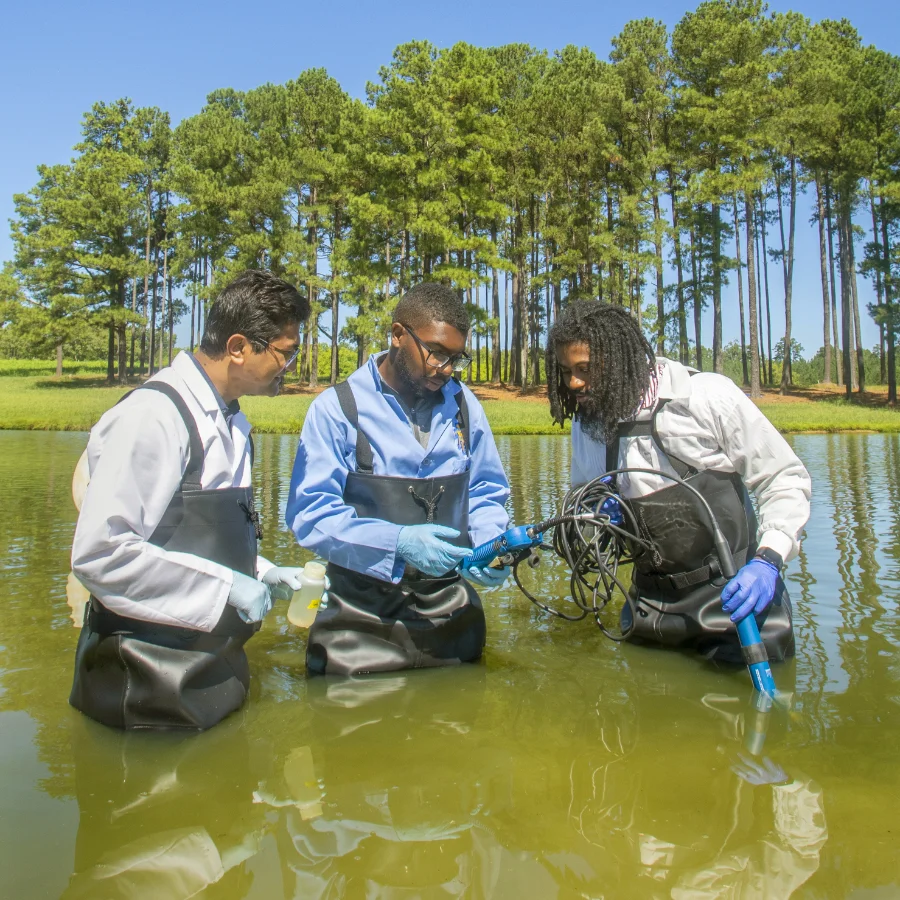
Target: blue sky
column 56, row 59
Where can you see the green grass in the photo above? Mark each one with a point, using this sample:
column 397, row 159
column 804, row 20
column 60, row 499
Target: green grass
column 830, row 415
column 76, row 402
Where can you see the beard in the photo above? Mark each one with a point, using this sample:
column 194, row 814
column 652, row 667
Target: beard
column 401, row 362
column 594, row 423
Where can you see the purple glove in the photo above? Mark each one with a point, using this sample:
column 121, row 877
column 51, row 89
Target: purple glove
column 751, row 590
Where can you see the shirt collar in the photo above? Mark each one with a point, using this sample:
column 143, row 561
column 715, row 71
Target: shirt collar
column 203, row 388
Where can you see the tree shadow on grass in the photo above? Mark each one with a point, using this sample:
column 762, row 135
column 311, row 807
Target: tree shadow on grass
column 69, row 382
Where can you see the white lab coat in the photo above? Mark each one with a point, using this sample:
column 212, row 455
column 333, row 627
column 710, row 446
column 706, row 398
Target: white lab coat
column 709, row 423
column 137, row 454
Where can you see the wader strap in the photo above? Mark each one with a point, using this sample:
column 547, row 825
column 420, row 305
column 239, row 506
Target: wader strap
column 190, row 481
column 364, row 458
column 682, row 581
column 645, row 429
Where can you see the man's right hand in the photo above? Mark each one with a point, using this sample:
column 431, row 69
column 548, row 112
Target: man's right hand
column 251, row 598
column 422, row 546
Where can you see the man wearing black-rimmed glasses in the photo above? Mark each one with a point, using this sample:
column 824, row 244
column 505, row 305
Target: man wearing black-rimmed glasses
column 166, row 540
column 396, row 476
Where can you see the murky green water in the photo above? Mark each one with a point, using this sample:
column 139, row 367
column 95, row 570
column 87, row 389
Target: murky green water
column 563, row 766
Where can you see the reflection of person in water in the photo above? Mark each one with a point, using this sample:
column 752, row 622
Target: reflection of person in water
column 681, row 820
column 163, row 815
column 406, row 789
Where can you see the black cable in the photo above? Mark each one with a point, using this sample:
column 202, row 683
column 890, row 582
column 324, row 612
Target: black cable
column 593, row 548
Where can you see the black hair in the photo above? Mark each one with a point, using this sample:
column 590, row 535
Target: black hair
column 432, row 302
column 622, row 366
column 257, row 305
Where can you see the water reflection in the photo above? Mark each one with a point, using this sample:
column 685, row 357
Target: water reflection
column 564, row 766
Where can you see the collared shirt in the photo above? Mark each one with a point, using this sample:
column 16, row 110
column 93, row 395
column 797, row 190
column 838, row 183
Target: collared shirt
column 709, row 423
column 316, row 511
column 419, row 414
column 137, row 455
column 229, row 410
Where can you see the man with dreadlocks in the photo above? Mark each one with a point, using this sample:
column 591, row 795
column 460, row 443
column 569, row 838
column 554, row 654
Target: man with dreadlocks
column 396, row 477
column 631, row 409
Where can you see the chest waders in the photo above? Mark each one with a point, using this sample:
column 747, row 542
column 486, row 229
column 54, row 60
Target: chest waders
column 136, row 674
column 676, row 588
column 369, row 625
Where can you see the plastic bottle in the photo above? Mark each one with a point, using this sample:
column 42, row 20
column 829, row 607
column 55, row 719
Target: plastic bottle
column 305, row 602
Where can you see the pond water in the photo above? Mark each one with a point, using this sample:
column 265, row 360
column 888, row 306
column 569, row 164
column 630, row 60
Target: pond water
column 561, row 766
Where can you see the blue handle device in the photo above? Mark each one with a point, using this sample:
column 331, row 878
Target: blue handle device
column 755, row 656
column 505, row 550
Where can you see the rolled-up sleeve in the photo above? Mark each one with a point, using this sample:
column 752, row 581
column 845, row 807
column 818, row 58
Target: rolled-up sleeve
column 137, row 455
column 316, row 511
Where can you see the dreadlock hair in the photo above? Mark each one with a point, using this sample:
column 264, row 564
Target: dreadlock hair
column 429, row 302
column 622, row 366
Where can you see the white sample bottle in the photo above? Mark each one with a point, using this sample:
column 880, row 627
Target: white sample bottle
column 305, row 602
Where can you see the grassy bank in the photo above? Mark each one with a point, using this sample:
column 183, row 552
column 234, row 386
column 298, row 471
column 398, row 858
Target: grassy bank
column 75, row 402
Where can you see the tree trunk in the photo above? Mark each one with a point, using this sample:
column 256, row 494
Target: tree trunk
column 171, row 325
column 740, row 287
column 765, row 260
column 758, row 300
column 495, row 314
column 697, row 297
column 660, row 290
column 823, row 271
column 788, row 261
column 153, row 309
column 111, row 355
column 683, row 350
column 162, row 313
column 59, row 360
column 846, row 318
column 755, row 389
column 506, row 326
column 834, row 317
column 879, row 292
column 889, row 303
column 854, row 296
column 335, row 372
column 133, row 324
column 122, row 337
column 718, row 362
column 310, row 369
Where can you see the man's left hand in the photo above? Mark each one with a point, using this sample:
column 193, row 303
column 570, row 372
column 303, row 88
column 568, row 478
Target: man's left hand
column 282, row 581
column 751, row 590
column 486, row 576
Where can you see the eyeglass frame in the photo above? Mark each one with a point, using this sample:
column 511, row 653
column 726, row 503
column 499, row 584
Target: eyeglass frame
column 283, row 353
column 451, row 361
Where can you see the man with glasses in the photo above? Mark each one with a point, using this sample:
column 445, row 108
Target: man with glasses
column 167, row 534
column 396, row 476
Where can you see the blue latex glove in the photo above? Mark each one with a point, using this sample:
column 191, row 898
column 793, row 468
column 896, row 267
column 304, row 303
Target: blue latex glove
column 758, row 773
column 751, row 590
column 282, row 581
column 251, row 598
column 612, row 508
column 421, row 546
column 486, row 576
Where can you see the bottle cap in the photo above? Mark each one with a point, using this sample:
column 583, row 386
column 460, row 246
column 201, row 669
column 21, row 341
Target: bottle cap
column 314, row 571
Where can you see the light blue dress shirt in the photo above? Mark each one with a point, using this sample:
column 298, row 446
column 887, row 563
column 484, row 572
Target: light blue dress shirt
column 316, row 511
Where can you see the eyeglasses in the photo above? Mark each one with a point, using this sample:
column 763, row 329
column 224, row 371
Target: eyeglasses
column 438, row 360
column 289, row 360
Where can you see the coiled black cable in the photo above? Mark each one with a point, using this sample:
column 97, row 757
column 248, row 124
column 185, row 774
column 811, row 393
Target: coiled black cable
column 594, row 548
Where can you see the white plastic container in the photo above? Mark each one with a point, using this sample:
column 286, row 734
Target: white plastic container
column 305, row 602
